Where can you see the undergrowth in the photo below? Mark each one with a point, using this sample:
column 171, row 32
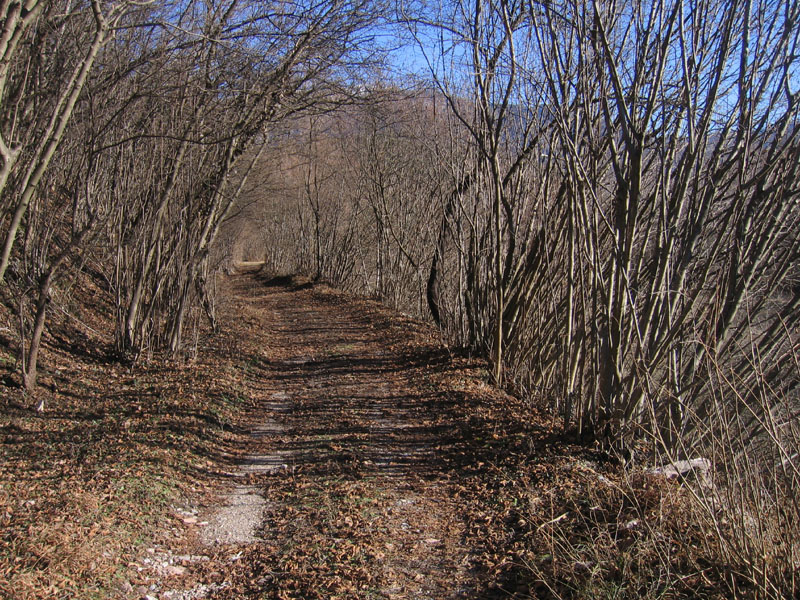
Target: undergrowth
column 631, row 537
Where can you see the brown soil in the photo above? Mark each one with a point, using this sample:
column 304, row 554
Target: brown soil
column 355, row 447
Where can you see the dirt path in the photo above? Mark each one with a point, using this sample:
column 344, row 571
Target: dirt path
column 352, row 454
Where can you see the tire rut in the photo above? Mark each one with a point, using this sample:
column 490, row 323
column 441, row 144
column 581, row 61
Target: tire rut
column 344, row 450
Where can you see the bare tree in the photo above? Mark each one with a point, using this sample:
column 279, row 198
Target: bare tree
column 30, row 137
column 494, row 198
column 163, row 112
column 681, row 150
column 258, row 67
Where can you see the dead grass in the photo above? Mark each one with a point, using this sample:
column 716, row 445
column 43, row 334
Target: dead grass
column 74, row 549
column 630, row 537
column 91, row 482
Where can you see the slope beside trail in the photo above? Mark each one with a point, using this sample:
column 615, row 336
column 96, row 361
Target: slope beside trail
column 356, row 480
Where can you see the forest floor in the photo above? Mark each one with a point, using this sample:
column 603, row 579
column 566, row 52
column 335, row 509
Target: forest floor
column 320, row 446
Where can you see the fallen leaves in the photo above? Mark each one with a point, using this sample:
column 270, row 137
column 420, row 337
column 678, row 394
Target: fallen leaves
column 405, row 474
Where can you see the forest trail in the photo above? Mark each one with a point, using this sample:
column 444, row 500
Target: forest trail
column 354, row 458
column 319, row 446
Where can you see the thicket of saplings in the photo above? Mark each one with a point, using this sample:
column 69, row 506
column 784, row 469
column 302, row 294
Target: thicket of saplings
column 601, row 198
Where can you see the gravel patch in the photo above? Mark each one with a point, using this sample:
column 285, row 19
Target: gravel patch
column 237, row 518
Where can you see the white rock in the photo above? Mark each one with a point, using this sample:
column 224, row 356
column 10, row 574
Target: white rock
column 700, row 467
